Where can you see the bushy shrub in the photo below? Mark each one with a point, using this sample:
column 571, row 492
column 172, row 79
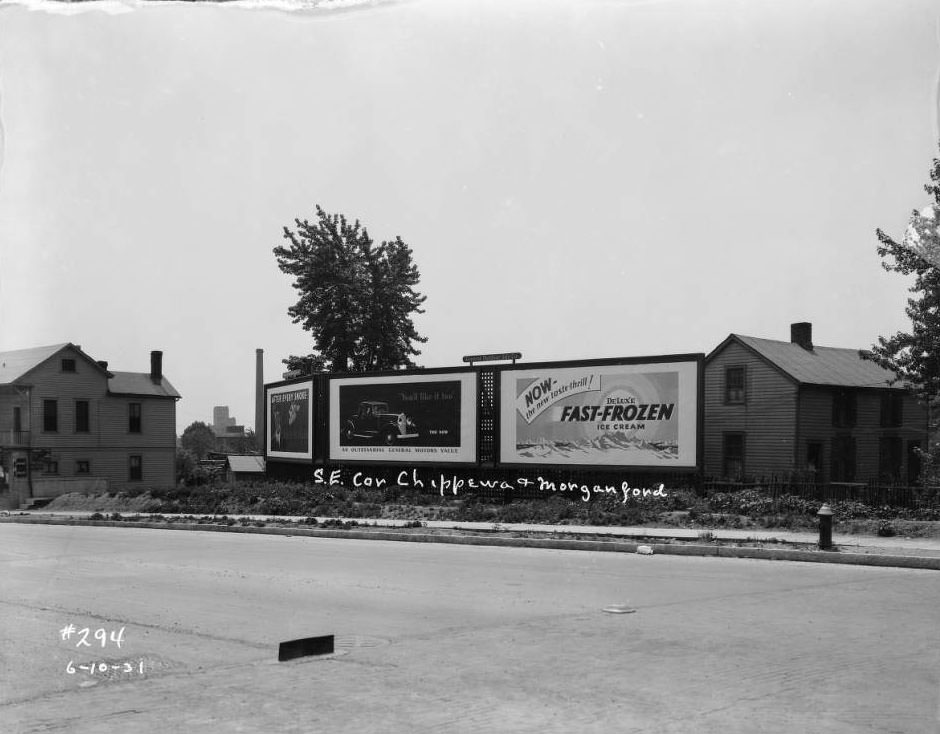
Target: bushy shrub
column 721, row 509
column 886, row 529
column 851, row 510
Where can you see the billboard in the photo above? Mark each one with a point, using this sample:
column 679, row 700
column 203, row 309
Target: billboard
column 430, row 417
column 290, row 421
column 636, row 415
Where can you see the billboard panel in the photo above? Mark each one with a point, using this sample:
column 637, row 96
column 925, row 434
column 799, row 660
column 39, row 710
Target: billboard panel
column 404, row 418
column 605, row 415
column 290, row 421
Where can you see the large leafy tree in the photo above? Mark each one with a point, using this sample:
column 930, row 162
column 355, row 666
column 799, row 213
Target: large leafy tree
column 914, row 355
column 198, row 439
column 356, row 298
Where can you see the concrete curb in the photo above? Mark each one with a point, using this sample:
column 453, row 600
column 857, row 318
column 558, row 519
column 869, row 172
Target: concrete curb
column 609, row 546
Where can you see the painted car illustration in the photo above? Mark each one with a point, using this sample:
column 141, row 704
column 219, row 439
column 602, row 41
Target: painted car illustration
column 374, row 421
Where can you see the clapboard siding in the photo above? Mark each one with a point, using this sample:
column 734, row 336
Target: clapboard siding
column 157, row 423
column 816, row 425
column 88, row 382
column 767, row 417
column 107, row 445
column 158, row 465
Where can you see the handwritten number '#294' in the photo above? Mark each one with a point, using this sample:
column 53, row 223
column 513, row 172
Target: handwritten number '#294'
column 101, row 634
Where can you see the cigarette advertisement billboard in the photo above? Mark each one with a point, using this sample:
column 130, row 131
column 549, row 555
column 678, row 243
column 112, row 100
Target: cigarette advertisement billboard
column 290, row 421
column 429, row 417
column 635, row 415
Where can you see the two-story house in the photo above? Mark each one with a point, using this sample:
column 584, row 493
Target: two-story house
column 68, row 423
column 784, row 409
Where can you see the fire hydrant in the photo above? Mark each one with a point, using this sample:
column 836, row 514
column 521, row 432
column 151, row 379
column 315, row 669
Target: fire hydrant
column 825, row 527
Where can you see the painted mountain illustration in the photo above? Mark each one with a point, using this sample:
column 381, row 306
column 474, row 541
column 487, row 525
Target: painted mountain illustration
column 600, row 447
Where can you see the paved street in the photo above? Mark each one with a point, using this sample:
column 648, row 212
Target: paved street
column 451, row 638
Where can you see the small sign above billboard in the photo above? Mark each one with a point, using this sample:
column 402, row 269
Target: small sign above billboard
column 471, row 358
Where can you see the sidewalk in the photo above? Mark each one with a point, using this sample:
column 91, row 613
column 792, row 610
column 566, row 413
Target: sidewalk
column 689, row 539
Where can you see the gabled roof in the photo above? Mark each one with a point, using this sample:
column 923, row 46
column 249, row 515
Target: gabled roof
column 18, row 362
column 819, row 366
column 246, row 463
column 139, row 383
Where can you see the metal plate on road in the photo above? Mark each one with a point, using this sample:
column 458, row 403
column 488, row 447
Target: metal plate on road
column 619, row 609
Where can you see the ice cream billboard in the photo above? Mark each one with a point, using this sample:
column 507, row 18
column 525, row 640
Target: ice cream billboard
column 429, row 418
column 604, row 415
column 290, row 421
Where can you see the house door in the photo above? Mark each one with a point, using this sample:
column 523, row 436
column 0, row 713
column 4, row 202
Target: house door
column 913, row 462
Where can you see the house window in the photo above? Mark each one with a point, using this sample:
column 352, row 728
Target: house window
column 734, row 385
column 17, row 419
column 68, row 365
column 50, row 415
column 843, row 409
column 889, row 458
column 51, row 466
column 733, row 456
column 892, row 409
column 82, row 467
column 133, row 417
column 814, row 457
column 136, row 468
column 843, row 459
column 82, row 423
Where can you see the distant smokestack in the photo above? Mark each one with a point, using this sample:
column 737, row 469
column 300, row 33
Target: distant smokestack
column 259, row 397
column 156, row 366
column 802, row 333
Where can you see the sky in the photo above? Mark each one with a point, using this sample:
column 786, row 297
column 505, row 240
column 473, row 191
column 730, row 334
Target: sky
column 577, row 179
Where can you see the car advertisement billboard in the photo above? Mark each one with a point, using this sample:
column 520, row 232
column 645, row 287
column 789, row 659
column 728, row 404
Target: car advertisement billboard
column 404, row 418
column 290, row 421
column 636, row 415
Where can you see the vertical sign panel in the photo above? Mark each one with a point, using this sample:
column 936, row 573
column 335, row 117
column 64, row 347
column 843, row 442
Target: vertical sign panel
column 290, row 421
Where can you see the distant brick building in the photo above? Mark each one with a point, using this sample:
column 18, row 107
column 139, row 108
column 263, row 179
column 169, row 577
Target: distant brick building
column 68, row 423
column 229, row 436
column 779, row 409
column 222, row 421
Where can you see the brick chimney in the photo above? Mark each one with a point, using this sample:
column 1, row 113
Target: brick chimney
column 802, row 333
column 156, row 366
column 102, row 364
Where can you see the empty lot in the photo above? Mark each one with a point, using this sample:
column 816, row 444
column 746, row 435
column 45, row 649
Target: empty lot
column 450, row 638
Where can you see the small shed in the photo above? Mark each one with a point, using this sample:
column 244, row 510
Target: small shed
column 244, row 468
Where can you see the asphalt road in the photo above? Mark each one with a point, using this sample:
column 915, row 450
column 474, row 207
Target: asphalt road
column 435, row 638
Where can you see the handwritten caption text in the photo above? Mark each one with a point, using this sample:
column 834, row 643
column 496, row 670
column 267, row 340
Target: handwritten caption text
column 452, row 484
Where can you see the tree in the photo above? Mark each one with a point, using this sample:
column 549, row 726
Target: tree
column 198, row 439
column 185, row 465
column 247, row 443
column 356, row 298
column 307, row 364
column 915, row 355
